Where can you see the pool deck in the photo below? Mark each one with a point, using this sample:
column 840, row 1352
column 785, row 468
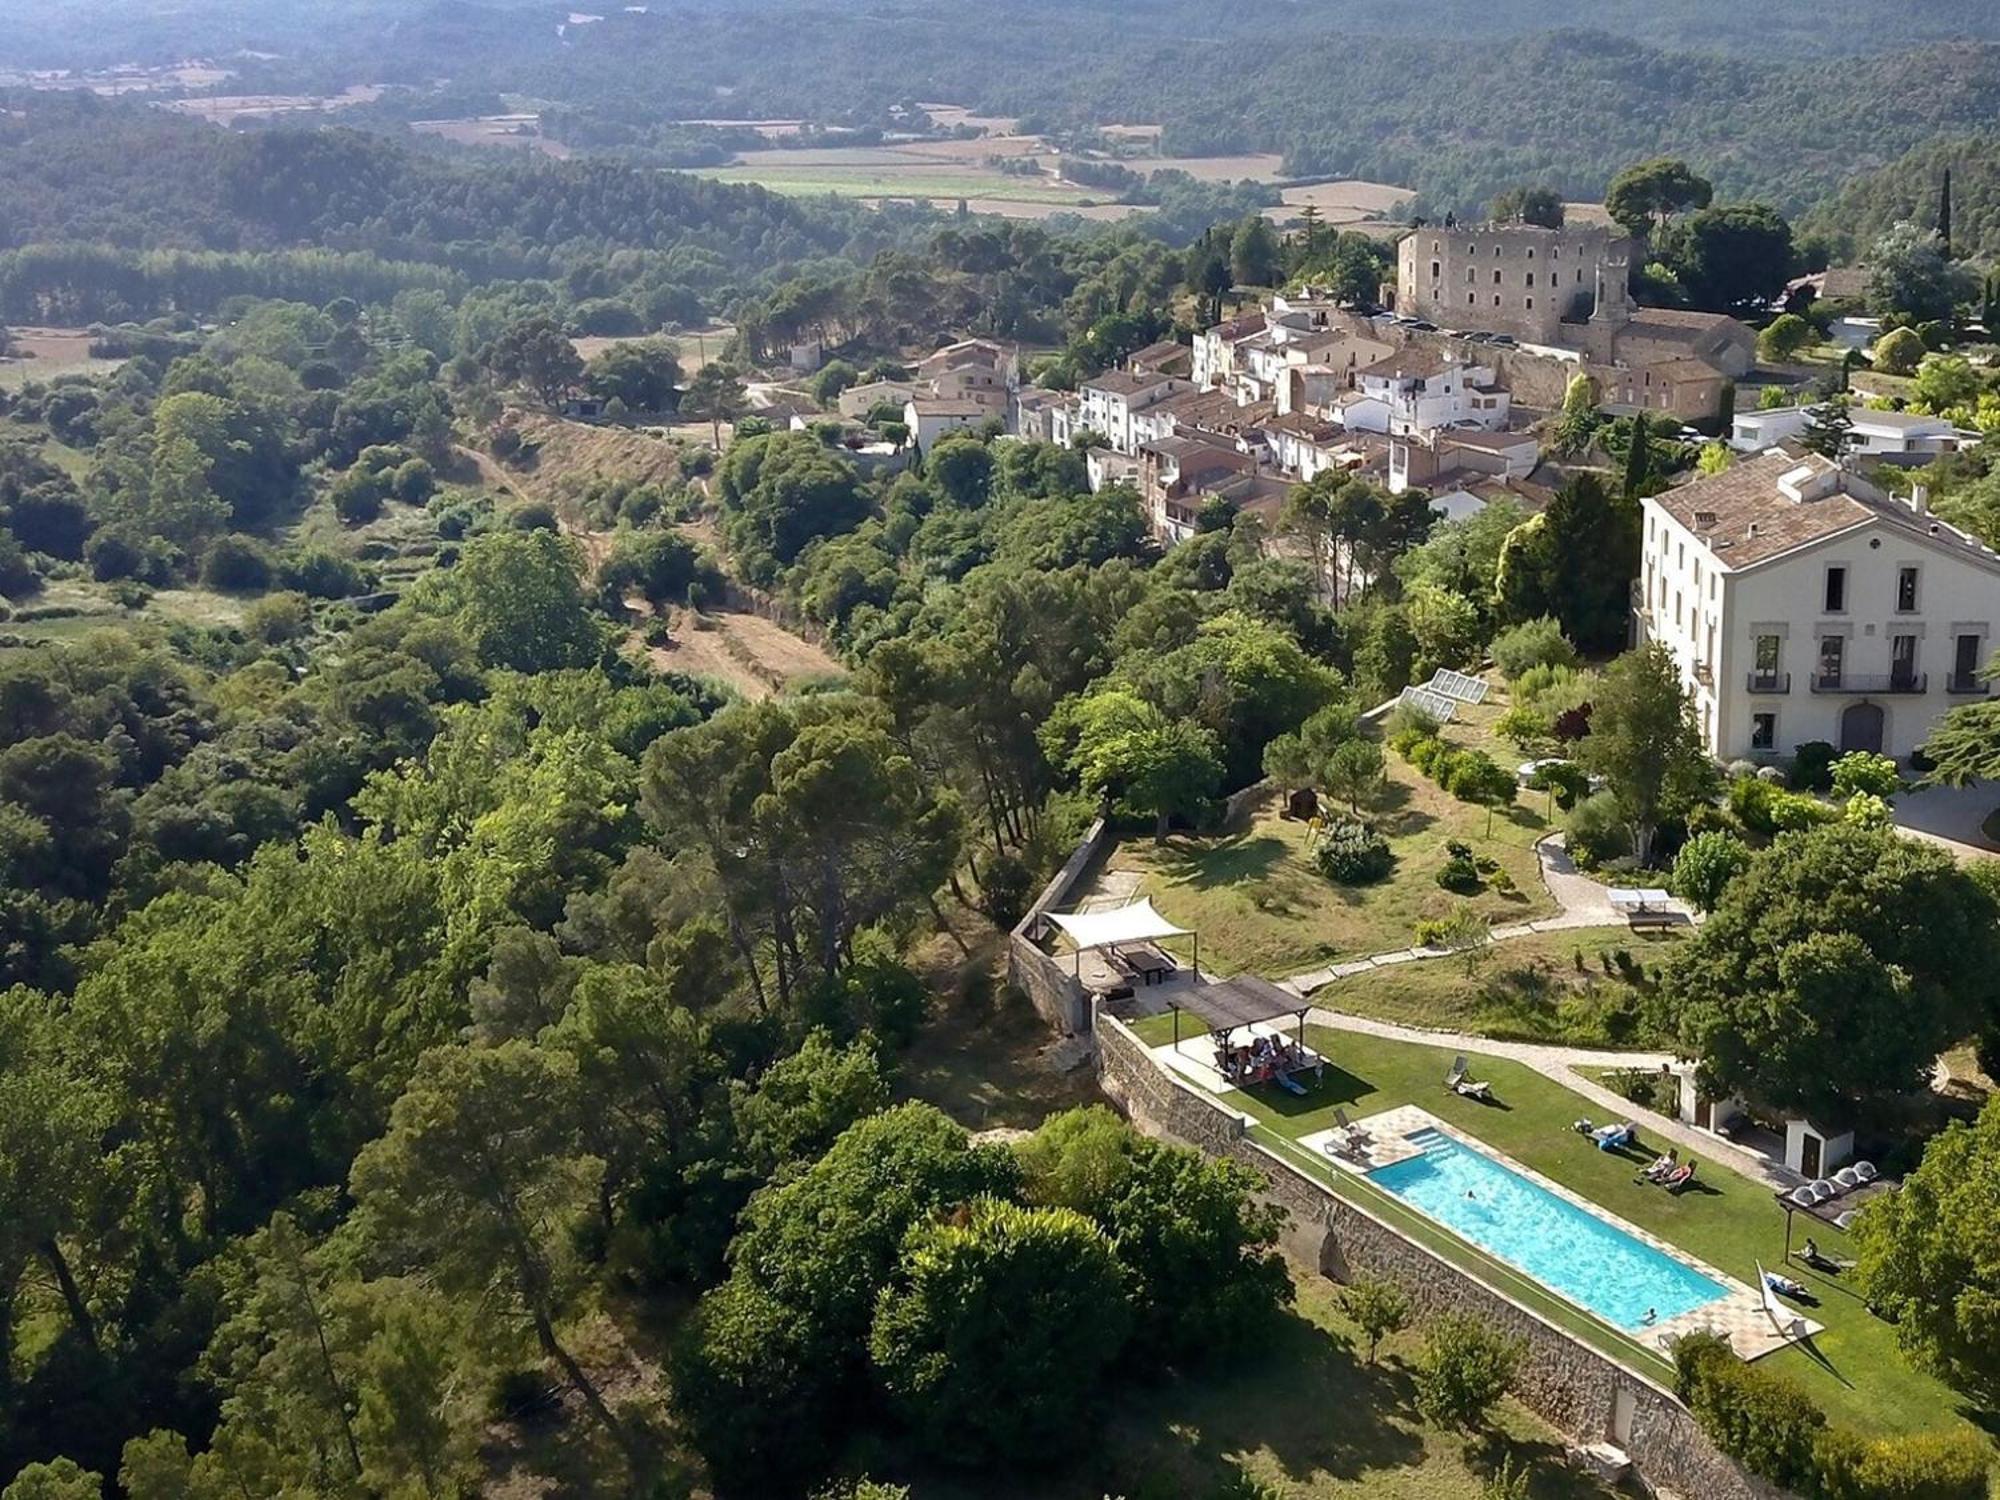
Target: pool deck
column 1383, row 1139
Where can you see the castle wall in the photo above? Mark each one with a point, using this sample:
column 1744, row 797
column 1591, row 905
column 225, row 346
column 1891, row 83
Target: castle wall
column 1514, row 278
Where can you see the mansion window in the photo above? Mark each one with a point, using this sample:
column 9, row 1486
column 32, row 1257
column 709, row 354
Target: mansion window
column 1836, row 591
column 1906, row 591
column 1763, row 731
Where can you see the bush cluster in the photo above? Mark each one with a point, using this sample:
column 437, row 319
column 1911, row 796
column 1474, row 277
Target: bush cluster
column 1352, row 853
column 1460, row 871
column 1764, row 808
column 1775, row 1430
column 1469, row 775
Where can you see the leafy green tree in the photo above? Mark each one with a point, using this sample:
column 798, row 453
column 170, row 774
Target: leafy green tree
column 1909, row 273
column 1304, row 756
column 518, row 597
column 1715, row 458
column 1158, row 767
column 537, row 355
column 645, row 375
column 1808, row 987
column 1465, row 1368
column 480, row 1183
column 1929, row 1257
column 1732, row 257
column 1198, row 1249
column 1574, row 562
column 1946, row 381
column 994, row 1335
column 1644, row 198
column 1786, row 337
column 1540, row 206
column 803, row 1102
column 715, row 395
column 781, row 491
column 1644, row 743
column 1355, row 771
column 1539, row 642
column 1378, row 1309
column 1898, row 352
column 1255, row 258
column 59, row 1479
column 1705, row 866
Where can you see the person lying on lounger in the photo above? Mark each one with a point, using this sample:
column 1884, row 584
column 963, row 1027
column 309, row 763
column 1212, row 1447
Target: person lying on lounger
column 1660, row 1166
column 1784, row 1286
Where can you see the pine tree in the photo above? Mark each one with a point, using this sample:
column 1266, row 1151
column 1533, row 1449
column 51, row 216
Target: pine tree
column 1829, row 429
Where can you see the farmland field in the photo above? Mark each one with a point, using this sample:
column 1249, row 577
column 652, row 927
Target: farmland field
column 904, row 179
column 44, row 353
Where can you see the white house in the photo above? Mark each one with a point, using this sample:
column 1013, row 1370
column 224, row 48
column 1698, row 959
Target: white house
column 931, row 417
column 1423, row 389
column 1214, row 352
column 858, row 400
column 1108, row 402
column 1884, row 436
column 1802, row 603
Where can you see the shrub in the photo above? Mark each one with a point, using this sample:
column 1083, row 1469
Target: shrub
column 18, row 576
column 1753, row 801
column 1533, row 643
column 357, row 496
column 1596, row 831
column 278, row 617
column 1459, row 874
column 1741, row 770
column 1005, row 888
column 1792, row 811
column 1863, row 771
column 1465, row 1367
column 1899, row 352
column 1476, row 777
column 1910, row 1466
column 322, row 575
column 532, row 515
column 1566, row 778
column 1352, row 853
column 1812, row 766
column 1524, row 726
column 1708, row 862
column 1425, row 753
column 1407, row 720
column 1763, row 1421
column 237, row 564
column 413, row 482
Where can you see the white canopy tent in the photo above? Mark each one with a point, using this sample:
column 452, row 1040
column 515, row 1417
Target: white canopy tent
column 1137, row 922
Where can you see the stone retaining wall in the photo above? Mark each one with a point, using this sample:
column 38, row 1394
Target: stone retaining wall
column 1567, row 1383
column 1053, row 991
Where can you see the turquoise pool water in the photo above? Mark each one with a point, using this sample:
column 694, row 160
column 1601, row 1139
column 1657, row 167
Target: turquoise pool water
column 1585, row 1258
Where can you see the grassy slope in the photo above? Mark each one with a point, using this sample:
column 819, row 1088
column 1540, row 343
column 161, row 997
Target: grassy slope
column 1732, row 1223
column 1260, row 903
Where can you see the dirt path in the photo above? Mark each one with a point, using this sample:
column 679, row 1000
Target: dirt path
column 754, row 656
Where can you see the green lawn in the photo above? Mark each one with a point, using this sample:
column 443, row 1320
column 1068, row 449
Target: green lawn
column 1306, row 1419
column 1854, row 1369
column 1260, row 903
column 1525, row 989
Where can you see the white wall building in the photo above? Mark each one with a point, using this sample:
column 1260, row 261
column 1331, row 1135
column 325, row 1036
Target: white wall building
column 1884, row 436
column 1803, row 603
column 930, row 418
column 1107, row 403
column 1421, row 389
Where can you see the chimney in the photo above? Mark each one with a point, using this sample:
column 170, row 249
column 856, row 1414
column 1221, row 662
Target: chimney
column 1704, row 520
column 1920, row 499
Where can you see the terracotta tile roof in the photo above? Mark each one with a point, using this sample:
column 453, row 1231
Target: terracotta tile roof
column 1679, row 317
column 1411, row 362
column 1744, row 518
column 928, row 406
column 1122, row 382
column 1240, row 328
column 1686, row 369
column 1490, row 442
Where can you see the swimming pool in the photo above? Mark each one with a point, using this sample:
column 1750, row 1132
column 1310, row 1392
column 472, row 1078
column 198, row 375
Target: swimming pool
column 1578, row 1254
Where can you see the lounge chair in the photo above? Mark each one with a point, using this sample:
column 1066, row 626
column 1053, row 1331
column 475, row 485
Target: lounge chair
column 1456, row 1082
column 1353, row 1133
column 1613, row 1137
column 1865, row 1170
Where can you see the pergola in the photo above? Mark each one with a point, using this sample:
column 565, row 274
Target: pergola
column 1243, row 1001
column 1137, row 922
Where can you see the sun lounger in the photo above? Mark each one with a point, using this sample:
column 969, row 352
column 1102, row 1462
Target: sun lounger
column 1457, row 1074
column 1456, row 1082
column 1353, row 1133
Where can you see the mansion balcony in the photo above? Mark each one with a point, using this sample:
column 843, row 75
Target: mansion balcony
column 1769, row 684
column 1871, row 683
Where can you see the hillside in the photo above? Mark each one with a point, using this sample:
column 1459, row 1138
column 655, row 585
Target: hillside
column 1909, row 187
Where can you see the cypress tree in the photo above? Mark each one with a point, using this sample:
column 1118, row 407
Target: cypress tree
column 1944, row 214
column 1638, row 461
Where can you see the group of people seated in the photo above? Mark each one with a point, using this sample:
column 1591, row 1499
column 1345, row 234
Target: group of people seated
column 1668, row 1171
column 1264, row 1058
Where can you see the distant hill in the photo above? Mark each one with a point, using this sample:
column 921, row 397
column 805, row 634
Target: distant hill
column 1909, row 187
